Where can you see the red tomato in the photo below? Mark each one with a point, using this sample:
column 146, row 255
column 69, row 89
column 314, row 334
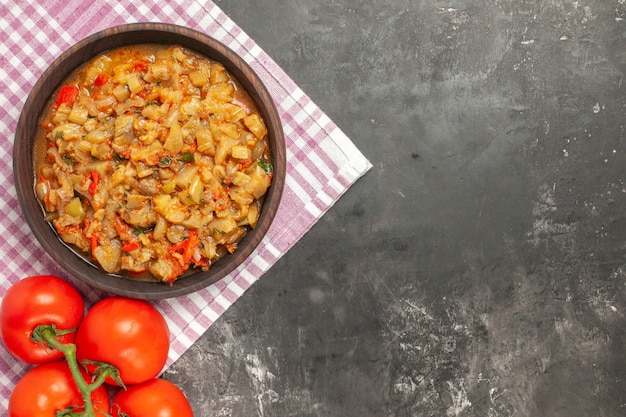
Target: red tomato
column 153, row 398
column 49, row 388
column 126, row 333
column 42, row 299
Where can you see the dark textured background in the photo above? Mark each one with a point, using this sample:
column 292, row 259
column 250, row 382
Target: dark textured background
column 479, row 268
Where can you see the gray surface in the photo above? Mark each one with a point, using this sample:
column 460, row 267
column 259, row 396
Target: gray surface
column 479, row 269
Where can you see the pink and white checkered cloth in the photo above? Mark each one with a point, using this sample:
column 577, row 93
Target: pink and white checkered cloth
column 322, row 162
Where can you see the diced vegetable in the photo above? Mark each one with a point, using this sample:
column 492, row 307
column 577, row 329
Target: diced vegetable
column 205, row 142
column 67, row 131
column 100, row 134
column 169, row 187
column 240, row 152
column 134, row 85
column 195, row 188
column 95, row 181
column 97, row 67
column 186, row 248
column 78, row 115
column 199, row 78
column 222, row 92
column 170, row 208
column 218, row 73
column 75, row 208
column 256, row 125
column 130, row 246
column 174, row 141
column 121, row 93
column 100, row 80
column 67, row 95
column 109, row 255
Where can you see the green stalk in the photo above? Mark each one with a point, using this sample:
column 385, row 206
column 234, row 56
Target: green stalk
column 48, row 335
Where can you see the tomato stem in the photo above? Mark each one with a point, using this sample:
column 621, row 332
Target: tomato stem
column 48, row 334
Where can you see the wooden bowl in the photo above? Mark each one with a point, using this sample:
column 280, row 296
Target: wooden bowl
column 23, row 164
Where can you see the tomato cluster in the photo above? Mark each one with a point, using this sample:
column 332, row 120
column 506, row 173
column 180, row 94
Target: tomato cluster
column 121, row 343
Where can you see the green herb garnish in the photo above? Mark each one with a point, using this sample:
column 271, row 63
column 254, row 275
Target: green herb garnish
column 187, row 157
column 138, row 230
column 266, row 164
column 165, row 161
column 117, row 158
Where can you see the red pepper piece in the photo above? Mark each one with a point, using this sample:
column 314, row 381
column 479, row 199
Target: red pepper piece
column 95, row 181
column 100, row 80
column 67, row 95
column 94, row 244
column 140, row 66
column 187, row 247
column 130, row 246
column 245, row 164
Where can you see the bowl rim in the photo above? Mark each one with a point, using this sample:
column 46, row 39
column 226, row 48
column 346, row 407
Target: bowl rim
column 50, row 80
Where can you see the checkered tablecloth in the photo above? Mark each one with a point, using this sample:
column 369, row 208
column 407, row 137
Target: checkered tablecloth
column 322, row 162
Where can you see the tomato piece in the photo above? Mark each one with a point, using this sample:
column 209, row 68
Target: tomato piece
column 48, row 388
column 67, row 95
column 42, row 299
column 100, row 80
column 153, row 398
column 129, row 334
